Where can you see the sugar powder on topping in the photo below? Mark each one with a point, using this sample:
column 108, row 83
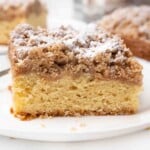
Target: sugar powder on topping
column 86, row 43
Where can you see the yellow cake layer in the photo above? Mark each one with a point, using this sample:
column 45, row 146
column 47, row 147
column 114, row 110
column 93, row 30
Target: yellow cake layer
column 37, row 20
column 7, row 26
column 34, row 96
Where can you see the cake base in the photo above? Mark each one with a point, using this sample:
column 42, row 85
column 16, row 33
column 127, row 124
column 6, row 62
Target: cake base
column 6, row 27
column 35, row 96
column 37, row 20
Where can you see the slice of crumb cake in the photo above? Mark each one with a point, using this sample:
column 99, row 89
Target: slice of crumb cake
column 132, row 24
column 14, row 12
column 66, row 72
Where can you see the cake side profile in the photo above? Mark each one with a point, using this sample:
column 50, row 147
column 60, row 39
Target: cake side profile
column 66, row 72
column 133, row 25
column 15, row 12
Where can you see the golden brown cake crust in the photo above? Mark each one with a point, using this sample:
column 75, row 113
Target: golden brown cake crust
column 20, row 8
column 66, row 50
column 133, row 25
column 29, row 116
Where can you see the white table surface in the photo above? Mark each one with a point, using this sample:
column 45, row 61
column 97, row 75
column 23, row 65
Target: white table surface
column 62, row 9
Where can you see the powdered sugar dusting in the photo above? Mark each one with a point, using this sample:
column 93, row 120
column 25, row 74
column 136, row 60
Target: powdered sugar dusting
column 90, row 42
column 85, row 43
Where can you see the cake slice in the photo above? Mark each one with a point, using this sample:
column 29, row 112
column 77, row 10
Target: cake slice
column 133, row 25
column 66, row 72
column 15, row 12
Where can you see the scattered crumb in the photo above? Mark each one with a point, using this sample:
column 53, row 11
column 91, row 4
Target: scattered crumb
column 11, row 110
column 12, row 138
column 43, row 125
column 147, row 128
column 9, row 88
column 82, row 124
column 73, row 129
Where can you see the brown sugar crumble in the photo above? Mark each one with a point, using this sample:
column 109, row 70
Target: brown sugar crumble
column 10, row 88
column 133, row 25
column 82, row 125
column 65, row 50
column 133, row 20
column 11, row 9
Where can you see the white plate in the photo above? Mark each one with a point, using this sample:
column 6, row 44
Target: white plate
column 73, row 128
column 3, row 49
column 4, row 62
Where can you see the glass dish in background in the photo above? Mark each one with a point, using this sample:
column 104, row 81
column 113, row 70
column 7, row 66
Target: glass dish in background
column 91, row 10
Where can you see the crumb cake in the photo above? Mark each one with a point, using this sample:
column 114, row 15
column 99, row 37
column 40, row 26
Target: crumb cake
column 133, row 25
column 67, row 72
column 15, row 12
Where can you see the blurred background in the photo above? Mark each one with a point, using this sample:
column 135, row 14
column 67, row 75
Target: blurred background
column 87, row 10
column 66, row 11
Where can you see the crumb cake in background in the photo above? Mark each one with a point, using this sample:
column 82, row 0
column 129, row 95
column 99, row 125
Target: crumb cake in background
column 66, row 72
column 15, row 12
column 133, row 25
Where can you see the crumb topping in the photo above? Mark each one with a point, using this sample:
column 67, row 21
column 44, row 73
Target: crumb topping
column 87, row 43
column 14, row 3
column 12, row 8
column 65, row 50
column 134, row 18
